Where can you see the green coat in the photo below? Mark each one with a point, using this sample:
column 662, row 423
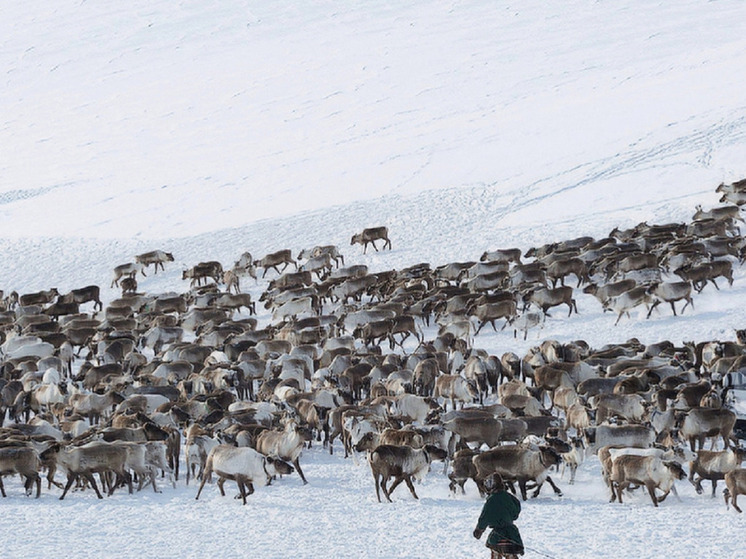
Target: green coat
column 499, row 512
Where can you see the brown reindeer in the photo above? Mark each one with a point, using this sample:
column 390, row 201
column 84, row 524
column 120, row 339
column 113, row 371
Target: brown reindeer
column 370, row 236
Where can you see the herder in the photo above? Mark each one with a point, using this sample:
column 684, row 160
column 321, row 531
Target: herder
column 499, row 512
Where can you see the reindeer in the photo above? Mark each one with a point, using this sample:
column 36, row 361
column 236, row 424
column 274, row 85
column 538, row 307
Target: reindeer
column 202, row 271
column 274, row 259
column 370, row 236
column 286, row 444
column 83, row 295
column 155, row 257
column 128, row 270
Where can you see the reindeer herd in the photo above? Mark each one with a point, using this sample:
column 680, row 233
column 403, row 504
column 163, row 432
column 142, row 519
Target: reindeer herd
column 387, row 362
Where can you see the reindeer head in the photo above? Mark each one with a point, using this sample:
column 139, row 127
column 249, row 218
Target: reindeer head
column 676, row 469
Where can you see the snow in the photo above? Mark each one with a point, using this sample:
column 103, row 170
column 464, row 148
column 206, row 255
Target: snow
column 211, row 128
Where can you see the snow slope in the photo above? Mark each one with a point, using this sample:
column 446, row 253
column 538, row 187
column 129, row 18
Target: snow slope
column 211, row 128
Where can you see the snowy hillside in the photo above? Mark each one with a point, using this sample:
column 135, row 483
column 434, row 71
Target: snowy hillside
column 212, row 128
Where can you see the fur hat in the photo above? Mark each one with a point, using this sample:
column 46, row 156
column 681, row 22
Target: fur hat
column 495, row 483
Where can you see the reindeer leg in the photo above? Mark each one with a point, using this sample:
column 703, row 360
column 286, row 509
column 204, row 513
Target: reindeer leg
column 673, row 308
column 37, row 480
column 92, row 481
column 50, row 478
column 522, row 486
column 68, row 485
column 651, row 491
column 690, row 303
column 620, row 487
column 663, row 497
column 733, row 501
column 153, row 475
column 698, row 486
column 201, row 485
column 655, row 304
column 396, row 483
column 241, row 489
column 141, row 480
column 613, row 491
column 296, row 463
column 676, row 493
column 128, row 479
column 386, row 492
column 409, row 483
